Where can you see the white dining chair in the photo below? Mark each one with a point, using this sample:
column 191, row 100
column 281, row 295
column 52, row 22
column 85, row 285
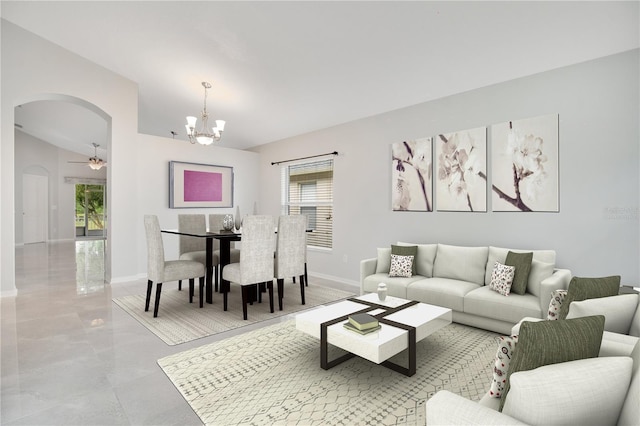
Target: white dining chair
column 256, row 260
column 193, row 248
column 306, row 276
column 160, row 270
column 291, row 247
column 215, row 225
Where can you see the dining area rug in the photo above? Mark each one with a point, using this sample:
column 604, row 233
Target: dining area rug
column 272, row 376
column 179, row 321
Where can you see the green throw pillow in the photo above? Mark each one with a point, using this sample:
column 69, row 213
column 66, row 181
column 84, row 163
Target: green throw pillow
column 522, row 262
column 550, row 342
column 407, row 251
column 589, row 288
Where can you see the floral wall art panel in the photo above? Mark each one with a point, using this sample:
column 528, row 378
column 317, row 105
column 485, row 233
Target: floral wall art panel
column 411, row 182
column 525, row 165
column 461, row 161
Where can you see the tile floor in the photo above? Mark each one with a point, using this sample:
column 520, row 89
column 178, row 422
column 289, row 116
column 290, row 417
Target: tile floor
column 70, row 356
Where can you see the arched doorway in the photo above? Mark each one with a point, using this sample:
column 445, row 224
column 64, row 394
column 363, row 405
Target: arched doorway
column 71, row 126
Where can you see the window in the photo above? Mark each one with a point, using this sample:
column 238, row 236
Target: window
column 307, row 188
column 90, row 210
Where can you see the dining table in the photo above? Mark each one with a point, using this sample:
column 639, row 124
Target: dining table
column 225, row 238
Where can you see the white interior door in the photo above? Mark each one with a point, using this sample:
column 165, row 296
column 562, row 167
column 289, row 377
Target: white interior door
column 35, row 202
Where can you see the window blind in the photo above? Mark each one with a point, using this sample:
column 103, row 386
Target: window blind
column 307, row 188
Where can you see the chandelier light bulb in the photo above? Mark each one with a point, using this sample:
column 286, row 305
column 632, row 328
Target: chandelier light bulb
column 204, row 140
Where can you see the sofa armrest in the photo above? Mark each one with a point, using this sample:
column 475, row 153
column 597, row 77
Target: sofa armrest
column 447, row 408
column 559, row 280
column 367, row 267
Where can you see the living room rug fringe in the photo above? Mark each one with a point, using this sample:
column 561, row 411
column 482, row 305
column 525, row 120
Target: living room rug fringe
column 179, row 321
column 272, row 376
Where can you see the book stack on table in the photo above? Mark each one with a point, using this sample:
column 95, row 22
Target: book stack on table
column 362, row 323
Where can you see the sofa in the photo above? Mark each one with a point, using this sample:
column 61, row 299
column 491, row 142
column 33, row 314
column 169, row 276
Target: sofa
column 600, row 391
column 596, row 391
column 622, row 321
column 458, row 277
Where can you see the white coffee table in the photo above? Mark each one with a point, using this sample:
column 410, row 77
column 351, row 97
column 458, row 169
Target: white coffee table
column 404, row 323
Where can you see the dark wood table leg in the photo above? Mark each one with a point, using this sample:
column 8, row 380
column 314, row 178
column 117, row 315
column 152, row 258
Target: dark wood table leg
column 325, row 364
column 209, row 271
column 410, row 370
column 225, row 259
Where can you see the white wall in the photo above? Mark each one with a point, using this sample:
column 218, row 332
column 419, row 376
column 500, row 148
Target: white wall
column 32, row 153
column 598, row 107
column 35, row 69
column 152, row 175
column 137, row 175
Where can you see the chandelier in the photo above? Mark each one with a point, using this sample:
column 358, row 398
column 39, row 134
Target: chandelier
column 204, row 136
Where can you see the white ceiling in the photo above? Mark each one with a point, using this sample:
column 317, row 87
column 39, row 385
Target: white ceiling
column 281, row 69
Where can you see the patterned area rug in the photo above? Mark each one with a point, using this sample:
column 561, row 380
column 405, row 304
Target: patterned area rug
column 273, row 376
column 179, row 321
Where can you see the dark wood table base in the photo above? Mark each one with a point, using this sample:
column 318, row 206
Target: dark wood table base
column 410, row 370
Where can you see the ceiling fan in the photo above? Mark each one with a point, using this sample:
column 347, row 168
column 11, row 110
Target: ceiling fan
column 94, row 162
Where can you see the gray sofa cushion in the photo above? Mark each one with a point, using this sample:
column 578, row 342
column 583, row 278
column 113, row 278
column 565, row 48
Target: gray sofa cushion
column 539, row 271
column 424, row 259
column 443, row 292
column 589, row 288
column 488, row 303
column 396, row 286
column 616, row 344
column 461, row 263
column 406, row 251
column 634, row 330
column 384, row 260
column 631, row 409
column 617, row 310
column 499, row 254
column 522, row 263
column 550, row 342
column 570, row 392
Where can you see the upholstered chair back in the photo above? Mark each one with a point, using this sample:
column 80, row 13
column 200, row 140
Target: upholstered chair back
column 291, row 246
column 256, row 256
column 155, row 249
column 194, row 223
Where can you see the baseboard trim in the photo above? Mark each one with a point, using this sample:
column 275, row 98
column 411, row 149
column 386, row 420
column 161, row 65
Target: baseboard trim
column 129, row 279
column 336, row 279
column 9, row 293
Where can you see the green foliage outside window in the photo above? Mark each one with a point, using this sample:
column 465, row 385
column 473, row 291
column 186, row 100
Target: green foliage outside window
column 90, row 199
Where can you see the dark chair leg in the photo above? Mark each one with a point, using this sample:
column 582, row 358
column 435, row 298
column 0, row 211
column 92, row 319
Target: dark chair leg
column 191, row 290
column 280, row 292
column 149, row 285
column 270, row 287
column 157, row 305
column 302, row 288
column 201, row 291
column 245, row 296
column 215, row 272
column 224, row 298
column 306, row 277
column 179, row 285
column 259, row 288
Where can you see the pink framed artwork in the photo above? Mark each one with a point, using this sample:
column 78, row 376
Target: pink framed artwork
column 193, row 185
